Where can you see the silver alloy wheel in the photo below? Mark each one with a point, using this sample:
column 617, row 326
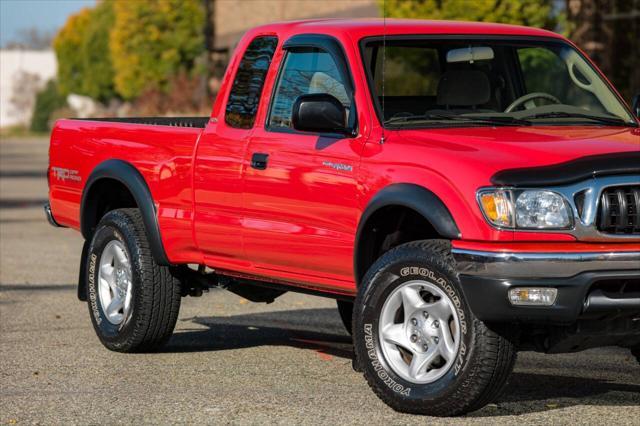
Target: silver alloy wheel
column 114, row 282
column 419, row 331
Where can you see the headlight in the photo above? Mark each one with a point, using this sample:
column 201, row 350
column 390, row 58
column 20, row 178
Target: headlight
column 525, row 209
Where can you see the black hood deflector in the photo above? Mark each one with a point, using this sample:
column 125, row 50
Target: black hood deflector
column 620, row 163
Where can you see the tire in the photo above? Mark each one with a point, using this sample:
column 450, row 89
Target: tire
column 137, row 310
column 636, row 352
column 346, row 313
column 463, row 364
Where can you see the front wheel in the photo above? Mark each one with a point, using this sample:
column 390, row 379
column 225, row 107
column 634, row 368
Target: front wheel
column 133, row 301
column 416, row 340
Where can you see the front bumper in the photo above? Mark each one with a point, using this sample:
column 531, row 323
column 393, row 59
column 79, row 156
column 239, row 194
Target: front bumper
column 590, row 284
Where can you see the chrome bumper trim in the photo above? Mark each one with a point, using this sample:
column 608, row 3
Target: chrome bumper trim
column 52, row 221
column 541, row 265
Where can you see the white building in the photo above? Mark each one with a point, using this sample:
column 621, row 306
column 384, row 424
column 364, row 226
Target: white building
column 22, row 73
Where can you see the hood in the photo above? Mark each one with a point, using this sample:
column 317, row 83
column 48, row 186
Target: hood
column 485, row 151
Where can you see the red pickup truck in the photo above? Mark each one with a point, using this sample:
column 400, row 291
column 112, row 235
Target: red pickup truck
column 463, row 190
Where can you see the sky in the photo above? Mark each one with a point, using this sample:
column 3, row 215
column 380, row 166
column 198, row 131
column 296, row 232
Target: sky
column 47, row 15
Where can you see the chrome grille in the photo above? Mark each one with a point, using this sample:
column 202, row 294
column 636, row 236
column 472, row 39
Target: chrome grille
column 619, row 210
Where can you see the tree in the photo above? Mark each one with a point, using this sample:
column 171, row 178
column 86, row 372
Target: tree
column 99, row 79
column 609, row 30
column 31, row 38
column 534, row 13
column 153, row 40
column 67, row 45
column 48, row 100
column 82, row 50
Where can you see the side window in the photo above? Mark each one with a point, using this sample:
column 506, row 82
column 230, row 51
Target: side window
column 305, row 72
column 244, row 97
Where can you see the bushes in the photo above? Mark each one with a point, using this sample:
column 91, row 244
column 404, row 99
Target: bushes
column 122, row 49
column 48, row 100
column 534, row 13
column 82, row 51
column 153, row 40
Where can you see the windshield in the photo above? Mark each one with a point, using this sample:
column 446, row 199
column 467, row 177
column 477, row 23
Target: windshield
column 454, row 81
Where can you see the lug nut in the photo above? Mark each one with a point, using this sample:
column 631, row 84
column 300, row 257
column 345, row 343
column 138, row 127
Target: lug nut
column 414, row 338
column 436, row 324
column 425, row 314
column 436, row 340
column 414, row 321
column 425, row 347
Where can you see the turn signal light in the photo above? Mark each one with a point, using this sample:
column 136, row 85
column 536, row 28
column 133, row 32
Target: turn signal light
column 533, row 296
column 497, row 207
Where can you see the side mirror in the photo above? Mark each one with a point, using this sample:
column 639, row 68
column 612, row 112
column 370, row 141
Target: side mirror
column 635, row 105
column 319, row 113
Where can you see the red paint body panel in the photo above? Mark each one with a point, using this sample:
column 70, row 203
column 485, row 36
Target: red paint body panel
column 296, row 221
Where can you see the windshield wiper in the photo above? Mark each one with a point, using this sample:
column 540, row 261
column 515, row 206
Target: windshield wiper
column 561, row 114
column 501, row 121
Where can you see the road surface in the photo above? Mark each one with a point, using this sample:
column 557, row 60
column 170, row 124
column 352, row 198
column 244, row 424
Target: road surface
column 229, row 361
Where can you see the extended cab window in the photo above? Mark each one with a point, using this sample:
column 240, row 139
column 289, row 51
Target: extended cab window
column 305, row 72
column 244, row 97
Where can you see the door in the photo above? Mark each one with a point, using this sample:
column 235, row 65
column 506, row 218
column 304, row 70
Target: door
column 300, row 201
column 219, row 156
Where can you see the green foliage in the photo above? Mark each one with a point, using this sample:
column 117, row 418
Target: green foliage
column 153, row 40
column 82, row 50
column 67, row 45
column 48, row 100
column 98, row 83
column 535, row 13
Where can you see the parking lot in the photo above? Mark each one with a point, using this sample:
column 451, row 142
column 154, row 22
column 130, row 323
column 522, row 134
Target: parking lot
column 229, row 361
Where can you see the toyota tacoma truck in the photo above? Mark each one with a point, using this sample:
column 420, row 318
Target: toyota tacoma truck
column 463, row 190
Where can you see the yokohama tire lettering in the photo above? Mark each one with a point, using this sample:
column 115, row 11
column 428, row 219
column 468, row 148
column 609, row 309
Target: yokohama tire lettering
column 379, row 369
column 92, row 288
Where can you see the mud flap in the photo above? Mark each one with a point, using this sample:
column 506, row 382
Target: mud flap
column 82, row 276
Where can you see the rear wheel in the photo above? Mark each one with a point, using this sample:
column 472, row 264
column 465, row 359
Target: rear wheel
column 416, row 340
column 133, row 301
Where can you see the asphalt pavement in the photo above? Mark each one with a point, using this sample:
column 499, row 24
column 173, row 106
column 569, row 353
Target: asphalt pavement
column 229, row 360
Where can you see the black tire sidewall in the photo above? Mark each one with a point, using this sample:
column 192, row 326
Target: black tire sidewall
column 412, row 267
column 114, row 226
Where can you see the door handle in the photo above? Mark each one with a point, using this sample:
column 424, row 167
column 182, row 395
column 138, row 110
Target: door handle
column 259, row 161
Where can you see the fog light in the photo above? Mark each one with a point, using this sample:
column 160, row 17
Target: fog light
column 533, row 296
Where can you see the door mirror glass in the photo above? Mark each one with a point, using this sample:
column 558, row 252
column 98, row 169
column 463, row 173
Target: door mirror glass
column 320, row 113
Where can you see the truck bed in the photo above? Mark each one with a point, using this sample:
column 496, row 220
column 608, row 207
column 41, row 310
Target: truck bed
column 195, row 122
column 160, row 148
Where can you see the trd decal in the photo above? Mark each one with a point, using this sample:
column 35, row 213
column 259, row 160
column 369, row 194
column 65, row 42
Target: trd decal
column 66, row 174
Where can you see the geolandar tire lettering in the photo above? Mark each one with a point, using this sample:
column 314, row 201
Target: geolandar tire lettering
column 417, row 342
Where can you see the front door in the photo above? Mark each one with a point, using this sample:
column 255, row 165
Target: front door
column 300, row 192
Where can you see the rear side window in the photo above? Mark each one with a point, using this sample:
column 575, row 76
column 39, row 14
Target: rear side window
column 244, row 97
